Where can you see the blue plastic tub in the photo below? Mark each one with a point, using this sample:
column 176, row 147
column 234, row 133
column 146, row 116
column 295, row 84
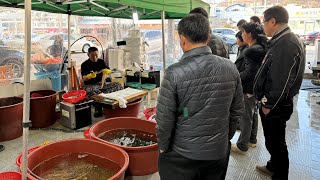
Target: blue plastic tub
column 54, row 76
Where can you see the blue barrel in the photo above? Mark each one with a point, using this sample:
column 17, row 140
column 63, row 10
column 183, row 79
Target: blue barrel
column 54, row 76
column 56, row 82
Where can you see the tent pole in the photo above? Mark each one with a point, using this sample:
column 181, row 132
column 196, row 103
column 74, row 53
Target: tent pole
column 69, row 54
column 163, row 41
column 26, row 95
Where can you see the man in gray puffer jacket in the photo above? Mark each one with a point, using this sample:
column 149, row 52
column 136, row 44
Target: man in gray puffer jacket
column 199, row 104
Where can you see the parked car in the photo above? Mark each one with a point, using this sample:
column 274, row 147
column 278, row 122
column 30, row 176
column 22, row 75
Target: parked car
column 231, row 42
column 309, row 38
column 224, row 31
column 47, row 40
column 14, row 58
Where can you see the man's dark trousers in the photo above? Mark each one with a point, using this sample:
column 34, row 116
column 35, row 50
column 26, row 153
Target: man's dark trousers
column 274, row 128
column 176, row 167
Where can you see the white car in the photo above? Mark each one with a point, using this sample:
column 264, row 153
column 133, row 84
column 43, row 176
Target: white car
column 81, row 45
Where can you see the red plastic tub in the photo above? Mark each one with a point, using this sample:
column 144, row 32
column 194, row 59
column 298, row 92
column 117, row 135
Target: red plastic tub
column 132, row 110
column 11, row 115
column 143, row 160
column 74, row 96
column 43, row 108
column 19, row 158
column 97, row 148
column 149, row 112
column 10, row 175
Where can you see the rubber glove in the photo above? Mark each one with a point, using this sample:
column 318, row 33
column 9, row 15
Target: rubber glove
column 92, row 75
column 106, row 71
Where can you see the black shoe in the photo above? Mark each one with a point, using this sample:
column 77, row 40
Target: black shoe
column 97, row 114
column 1, row 148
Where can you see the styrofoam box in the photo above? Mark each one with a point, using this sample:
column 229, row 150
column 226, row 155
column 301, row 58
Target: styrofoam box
column 116, row 58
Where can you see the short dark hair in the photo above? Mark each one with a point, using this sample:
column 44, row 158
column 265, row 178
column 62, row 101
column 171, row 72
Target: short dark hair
column 195, row 27
column 199, row 10
column 279, row 13
column 241, row 22
column 92, row 49
column 239, row 36
column 255, row 19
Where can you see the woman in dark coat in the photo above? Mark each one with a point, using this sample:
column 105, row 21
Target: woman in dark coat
column 248, row 65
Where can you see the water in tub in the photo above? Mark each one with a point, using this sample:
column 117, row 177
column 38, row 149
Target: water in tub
column 76, row 166
column 129, row 137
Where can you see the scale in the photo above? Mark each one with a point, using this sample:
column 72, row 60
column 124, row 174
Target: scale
column 76, row 116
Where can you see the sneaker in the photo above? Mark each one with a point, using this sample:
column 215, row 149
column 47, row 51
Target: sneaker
column 235, row 149
column 263, row 170
column 253, row 145
column 1, row 148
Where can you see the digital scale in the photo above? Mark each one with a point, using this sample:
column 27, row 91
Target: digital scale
column 76, row 116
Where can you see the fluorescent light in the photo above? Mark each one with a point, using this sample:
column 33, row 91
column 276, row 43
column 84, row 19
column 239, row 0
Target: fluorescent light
column 135, row 18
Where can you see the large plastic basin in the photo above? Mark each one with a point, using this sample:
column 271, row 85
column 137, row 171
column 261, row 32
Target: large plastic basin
column 42, row 109
column 11, row 115
column 97, row 148
column 132, row 110
column 143, row 160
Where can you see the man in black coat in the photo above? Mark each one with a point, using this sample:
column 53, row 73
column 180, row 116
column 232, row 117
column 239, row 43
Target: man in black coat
column 216, row 44
column 276, row 83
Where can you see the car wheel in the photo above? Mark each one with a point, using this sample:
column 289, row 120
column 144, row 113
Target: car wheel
column 17, row 67
column 234, row 49
column 85, row 48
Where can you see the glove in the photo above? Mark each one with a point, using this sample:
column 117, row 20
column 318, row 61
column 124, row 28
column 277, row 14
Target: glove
column 92, row 75
column 106, row 71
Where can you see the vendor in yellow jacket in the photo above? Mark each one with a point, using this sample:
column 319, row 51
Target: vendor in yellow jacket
column 94, row 72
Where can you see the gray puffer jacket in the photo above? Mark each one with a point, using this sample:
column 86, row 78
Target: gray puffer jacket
column 199, row 104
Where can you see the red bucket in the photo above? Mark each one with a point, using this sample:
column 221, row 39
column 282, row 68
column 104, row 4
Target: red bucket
column 74, row 96
column 149, row 112
column 10, row 175
column 86, row 134
column 19, row 158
